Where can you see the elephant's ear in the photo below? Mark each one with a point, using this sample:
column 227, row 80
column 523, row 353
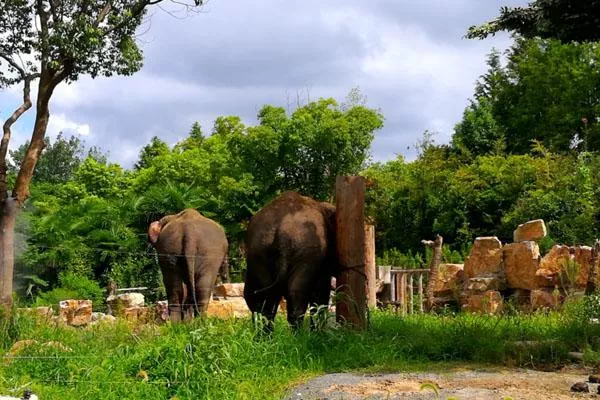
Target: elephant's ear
column 154, row 232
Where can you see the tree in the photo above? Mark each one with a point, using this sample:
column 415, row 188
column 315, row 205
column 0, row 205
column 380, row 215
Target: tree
column 155, row 148
column 57, row 162
column 548, row 91
column 479, row 133
column 565, row 20
column 55, row 42
column 307, row 150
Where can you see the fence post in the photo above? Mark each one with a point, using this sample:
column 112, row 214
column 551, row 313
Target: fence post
column 370, row 266
column 350, row 216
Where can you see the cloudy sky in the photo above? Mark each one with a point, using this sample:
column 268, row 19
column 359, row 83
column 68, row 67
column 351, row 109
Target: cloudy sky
column 408, row 57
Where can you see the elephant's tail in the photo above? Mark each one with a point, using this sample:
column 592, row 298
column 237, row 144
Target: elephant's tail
column 191, row 259
column 282, row 267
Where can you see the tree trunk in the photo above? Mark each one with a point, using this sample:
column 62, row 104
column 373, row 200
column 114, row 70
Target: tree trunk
column 434, row 267
column 11, row 204
column 7, row 236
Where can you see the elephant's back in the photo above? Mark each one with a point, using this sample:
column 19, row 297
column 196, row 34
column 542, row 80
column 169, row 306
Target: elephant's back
column 291, row 220
column 202, row 233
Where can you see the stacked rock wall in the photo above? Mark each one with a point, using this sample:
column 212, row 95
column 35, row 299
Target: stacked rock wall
column 493, row 272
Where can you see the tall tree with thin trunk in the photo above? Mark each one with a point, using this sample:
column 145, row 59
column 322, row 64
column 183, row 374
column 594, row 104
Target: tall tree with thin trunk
column 51, row 42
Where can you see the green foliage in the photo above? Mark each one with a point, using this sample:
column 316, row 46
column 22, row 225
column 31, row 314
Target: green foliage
column 307, row 150
column 567, row 20
column 72, row 286
column 149, row 152
column 58, row 161
column 548, row 92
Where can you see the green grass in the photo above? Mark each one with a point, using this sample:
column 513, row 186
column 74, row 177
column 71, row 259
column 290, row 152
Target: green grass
column 216, row 359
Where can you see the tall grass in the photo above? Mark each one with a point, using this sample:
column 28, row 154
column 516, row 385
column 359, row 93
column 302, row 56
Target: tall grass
column 214, row 359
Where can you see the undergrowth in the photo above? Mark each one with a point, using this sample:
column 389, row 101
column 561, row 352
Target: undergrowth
column 215, row 359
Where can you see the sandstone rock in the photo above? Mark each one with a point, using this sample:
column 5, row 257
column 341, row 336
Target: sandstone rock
column 75, row 312
column 449, row 280
column 544, row 298
column 521, row 261
column 489, row 302
column 485, row 258
column 480, row 285
column 125, row 300
column 583, row 257
column 229, row 290
column 551, row 265
column 228, row 308
column 137, row 314
column 530, row 231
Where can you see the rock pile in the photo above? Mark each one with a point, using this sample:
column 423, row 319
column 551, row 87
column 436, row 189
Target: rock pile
column 493, row 272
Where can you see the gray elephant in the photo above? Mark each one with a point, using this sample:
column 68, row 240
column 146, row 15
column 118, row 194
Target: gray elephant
column 290, row 246
column 192, row 251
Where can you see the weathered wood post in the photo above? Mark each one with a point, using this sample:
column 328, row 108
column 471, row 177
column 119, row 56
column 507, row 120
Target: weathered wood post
column 350, row 216
column 370, row 267
column 592, row 282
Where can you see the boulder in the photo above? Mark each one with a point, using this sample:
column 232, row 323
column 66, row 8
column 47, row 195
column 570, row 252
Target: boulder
column 544, row 298
column 449, row 280
column 229, row 290
column 125, row 300
column 521, row 262
column 554, row 262
column 137, row 314
column 228, row 308
column 489, row 302
column 583, row 257
column 530, row 231
column 75, row 312
column 485, row 258
column 480, row 285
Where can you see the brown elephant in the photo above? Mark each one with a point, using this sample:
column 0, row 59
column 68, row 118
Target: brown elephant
column 192, row 251
column 291, row 253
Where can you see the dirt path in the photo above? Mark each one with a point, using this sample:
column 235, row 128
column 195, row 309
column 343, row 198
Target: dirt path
column 465, row 385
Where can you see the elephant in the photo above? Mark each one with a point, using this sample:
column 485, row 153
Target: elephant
column 192, row 252
column 290, row 253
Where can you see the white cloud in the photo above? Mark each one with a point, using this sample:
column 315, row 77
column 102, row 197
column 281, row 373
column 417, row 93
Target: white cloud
column 61, row 123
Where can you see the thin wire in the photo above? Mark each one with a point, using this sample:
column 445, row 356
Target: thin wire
column 143, row 253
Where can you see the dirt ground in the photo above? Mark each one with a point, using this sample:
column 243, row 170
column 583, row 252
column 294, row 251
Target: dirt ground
column 462, row 384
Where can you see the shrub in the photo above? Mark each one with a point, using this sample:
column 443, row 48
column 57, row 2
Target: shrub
column 72, row 286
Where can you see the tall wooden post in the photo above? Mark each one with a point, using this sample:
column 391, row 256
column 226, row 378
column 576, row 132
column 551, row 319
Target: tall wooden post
column 350, row 215
column 370, row 267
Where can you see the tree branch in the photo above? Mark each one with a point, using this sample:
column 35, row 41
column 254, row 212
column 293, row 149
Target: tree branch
column 13, row 64
column 7, row 132
column 105, row 10
column 44, row 32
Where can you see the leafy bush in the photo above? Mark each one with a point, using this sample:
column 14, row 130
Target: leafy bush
column 72, row 286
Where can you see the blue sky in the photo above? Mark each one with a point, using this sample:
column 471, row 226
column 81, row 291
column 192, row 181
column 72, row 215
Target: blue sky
column 409, row 59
